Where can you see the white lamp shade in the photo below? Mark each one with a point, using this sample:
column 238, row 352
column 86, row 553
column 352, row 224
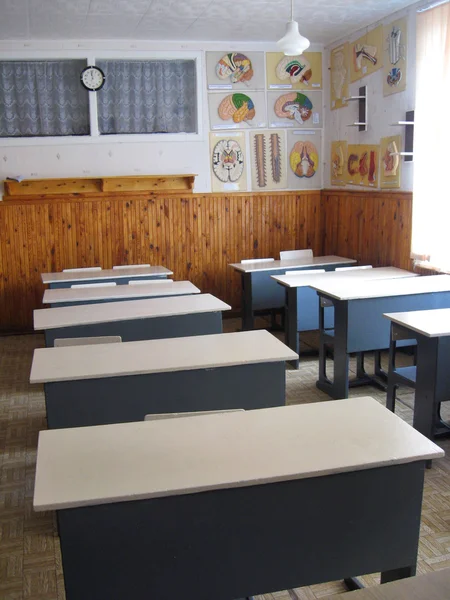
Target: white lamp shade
column 293, row 43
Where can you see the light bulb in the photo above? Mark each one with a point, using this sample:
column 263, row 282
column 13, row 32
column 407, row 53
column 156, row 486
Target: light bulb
column 293, row 43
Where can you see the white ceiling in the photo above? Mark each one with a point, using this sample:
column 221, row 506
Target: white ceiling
column 322, row 21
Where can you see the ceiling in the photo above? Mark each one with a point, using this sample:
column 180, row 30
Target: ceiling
column 322, row 21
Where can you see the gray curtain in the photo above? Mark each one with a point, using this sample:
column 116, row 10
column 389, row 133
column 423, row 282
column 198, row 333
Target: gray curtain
column 43, row 98
column 157, row 96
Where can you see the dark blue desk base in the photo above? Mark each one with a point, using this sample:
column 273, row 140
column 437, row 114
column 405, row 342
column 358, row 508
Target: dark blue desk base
column 144, row 329
column 88, row 402
column 239, row 542
column 359, row 326
column 118, row 280
column 430, row 379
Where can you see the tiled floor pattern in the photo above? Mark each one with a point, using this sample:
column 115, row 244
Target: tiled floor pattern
column 30, row 562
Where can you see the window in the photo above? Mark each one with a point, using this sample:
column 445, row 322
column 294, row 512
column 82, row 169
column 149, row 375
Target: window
column 43, row 98
column 152, row 96
column 431, row 205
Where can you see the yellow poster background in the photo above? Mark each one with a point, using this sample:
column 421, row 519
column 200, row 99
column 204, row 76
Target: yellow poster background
column 363, row 164
column 390, row 166
column 373, row 42
column 338, row 162
column 339, row 76
column 314, row 59
column 402, row 26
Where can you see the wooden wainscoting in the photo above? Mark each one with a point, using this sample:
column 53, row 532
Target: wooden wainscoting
column 196, row 236
column 373, row 227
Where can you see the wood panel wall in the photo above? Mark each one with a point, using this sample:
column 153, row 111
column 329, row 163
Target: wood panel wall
column 373, row 227
column 196, row 236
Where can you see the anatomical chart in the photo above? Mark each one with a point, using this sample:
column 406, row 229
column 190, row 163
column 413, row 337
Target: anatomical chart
column 235, row 70
column 268, row 156
column 294, row 72
column 304, row 160
column 395, row 48
column 228, row 162
column 237, row 110
column 362, row 165
column 390, row 170
column 338, row 161
column 339, row 76
column 366, row 54
column 295, row 109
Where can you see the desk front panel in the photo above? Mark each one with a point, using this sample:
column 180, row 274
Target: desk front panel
column 118, row 280
column 87, row 402
column 239, row 542
column 143, row 329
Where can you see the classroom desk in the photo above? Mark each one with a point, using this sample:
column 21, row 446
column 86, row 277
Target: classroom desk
column 134, row 320
column 432, row 586
column 302, row 303
column 431, row 376
column 153, row 289
column 232, row 505
column 359, row 325
column 120, row 276
column 260, row 292
column 116, row 383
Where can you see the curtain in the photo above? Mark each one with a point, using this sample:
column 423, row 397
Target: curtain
column 156, row 96
column 43, row 98
column 431, row 203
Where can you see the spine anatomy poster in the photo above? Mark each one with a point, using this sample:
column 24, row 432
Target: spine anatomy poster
column 268, row 162
column 363, row 165
column 395, row 49
column 228, row 162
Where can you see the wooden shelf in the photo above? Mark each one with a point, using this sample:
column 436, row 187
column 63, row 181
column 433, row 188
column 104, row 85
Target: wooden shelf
column 81, row 186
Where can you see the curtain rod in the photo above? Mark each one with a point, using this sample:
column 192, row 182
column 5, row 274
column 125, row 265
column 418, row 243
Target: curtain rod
column 431, row 6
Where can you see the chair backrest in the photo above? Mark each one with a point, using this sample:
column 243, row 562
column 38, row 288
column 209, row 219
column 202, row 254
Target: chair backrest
column 143, row 266
column 293, row 254
column 82, row 269
column 161, row 416
column 305, row 272
column 87, row 341
column 149, row 281
column 94, row 285
column 256, row 260
column 354, row 268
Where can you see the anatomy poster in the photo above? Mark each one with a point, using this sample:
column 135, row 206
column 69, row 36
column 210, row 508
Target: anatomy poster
column 268, row 156
column 237, row 110
column 338, row 162
column 339, row 76
column 235, row 70
column 228, row 162
column 366, row 54
column 295, row 109
column 294, row 72
column 395, row 48
column 390, row 170
column 363, row 165
column 304, row 159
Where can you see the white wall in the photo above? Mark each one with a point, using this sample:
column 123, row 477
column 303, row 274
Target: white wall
column 78, row 158
column 382, row 110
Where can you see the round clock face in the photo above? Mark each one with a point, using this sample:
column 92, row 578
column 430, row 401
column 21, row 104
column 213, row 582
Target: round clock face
column 228, row 161
column 92, row 78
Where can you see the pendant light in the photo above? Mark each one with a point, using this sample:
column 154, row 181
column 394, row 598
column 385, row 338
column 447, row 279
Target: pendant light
column 293, row 43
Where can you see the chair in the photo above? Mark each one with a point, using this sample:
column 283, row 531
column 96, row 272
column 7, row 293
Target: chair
column 143, row 266
column 305, row 272
column 87, row 341
column 149, row 281
column 94, row 285
column 82, row 269
column 158, row 417
column 354, row 268
column 293, row 254
column 256, row 260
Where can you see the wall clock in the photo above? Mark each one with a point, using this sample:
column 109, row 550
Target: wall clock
column 92, row 78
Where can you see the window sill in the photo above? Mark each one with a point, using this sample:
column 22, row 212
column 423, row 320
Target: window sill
column 101, row 139
column 419, row 264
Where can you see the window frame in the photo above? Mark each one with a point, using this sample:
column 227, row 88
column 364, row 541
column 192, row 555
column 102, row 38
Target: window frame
column 95, row 137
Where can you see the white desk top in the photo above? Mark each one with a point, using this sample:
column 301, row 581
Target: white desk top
column 159, row 287
column 384, row 288
column 131, row 461
column 431, row 323
column 157, row 356
column 88, row 314
column 104, row 274
column 296, row 263
column 306, row 280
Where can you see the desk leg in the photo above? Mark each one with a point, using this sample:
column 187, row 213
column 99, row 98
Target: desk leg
column 338, row 388
column 291, row 318
column 248, row 321
column 395, row 574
